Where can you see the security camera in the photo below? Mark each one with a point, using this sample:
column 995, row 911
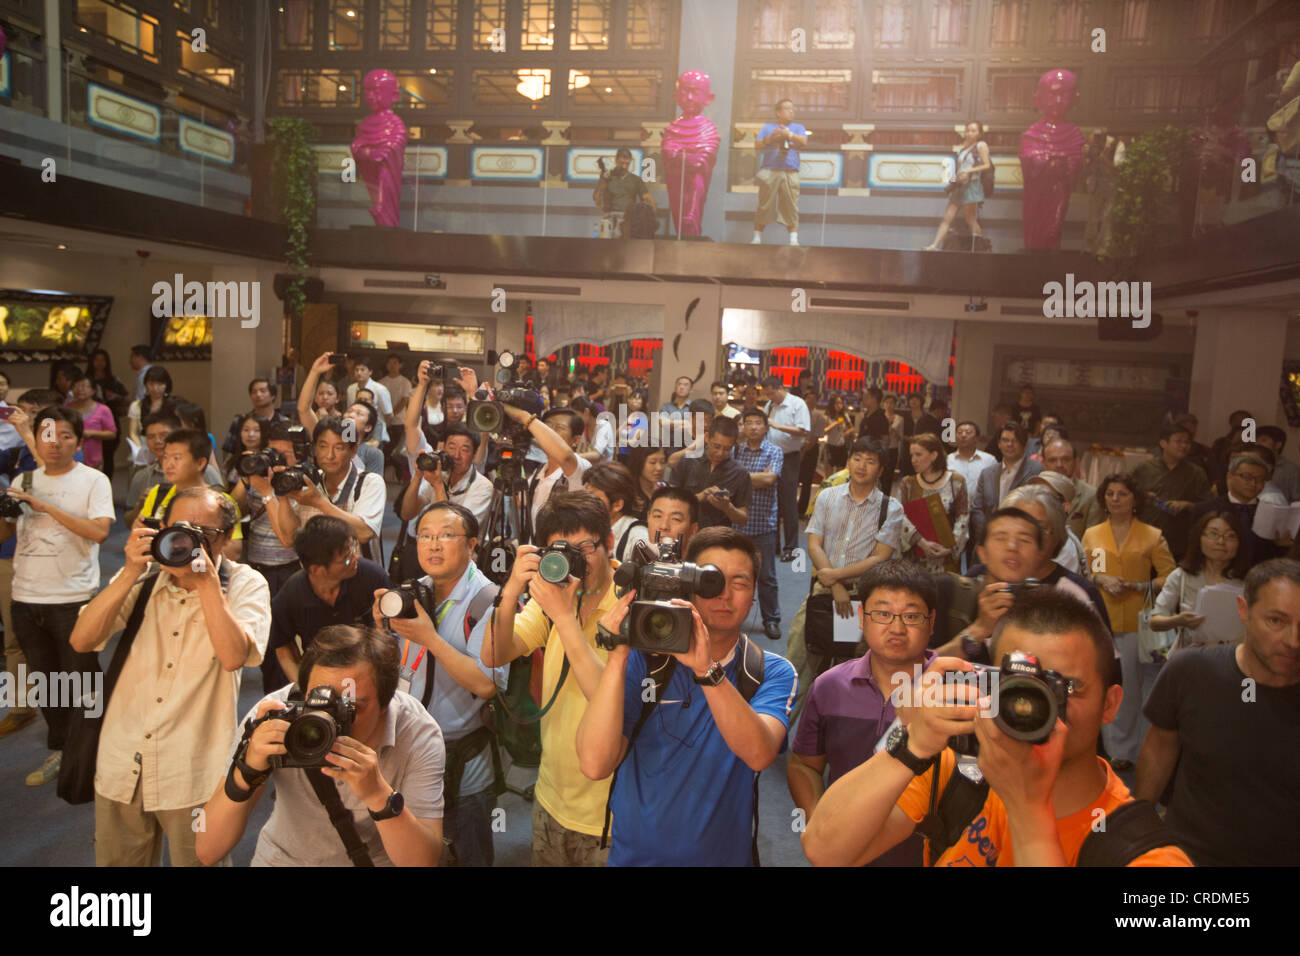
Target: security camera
column 977, row 306
column 434, row 282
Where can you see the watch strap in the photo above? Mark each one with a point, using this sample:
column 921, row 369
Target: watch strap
column 714, row 676
column 898, row 750
column 392, row 808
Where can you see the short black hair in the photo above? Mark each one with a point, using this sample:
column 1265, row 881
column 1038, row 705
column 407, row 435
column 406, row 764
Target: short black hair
column 1017, row 430
column 582, row 404
column 1048, row 611
column 676, row 494
column 724, row 426
column 341, row 645
column 1273, row 432
column 467, row 519
column 460, row 428
column 1169, row 431
column 623, row 151
column 454, row 390
column 269, row 384
column 974, row 425
column 576, row 425
column 372, row 415
column 614, row 481
column 772, row 381
column 700, row 406
column 60, row 413
column 192, row 415
column 869, row 446
column 876, row 393
column 717, row 384
column 571, row 512
column 196, row 442
column 319, row 541
column 729, row 539
column 141, row 350
column 752, row 412
column 897, row 576
column 164, row 416
column 1018, row 514
column 330, row 423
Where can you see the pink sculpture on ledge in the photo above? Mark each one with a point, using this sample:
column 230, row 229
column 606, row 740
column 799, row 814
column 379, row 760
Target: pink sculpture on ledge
column 690, row 149
column 380, row 148
column 1051, row 155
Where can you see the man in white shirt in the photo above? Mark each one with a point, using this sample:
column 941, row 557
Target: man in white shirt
column 399, row 389
column 968, row 461
column 383, row 399
column 597, row 427
column 68, row 508
column 718, row 393
column 557, row 433
column 788, row 425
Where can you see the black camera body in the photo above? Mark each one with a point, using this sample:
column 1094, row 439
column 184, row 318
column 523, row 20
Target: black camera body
column 560, row 560
column 10, row 508
column 487, row 414
column 176, row 545
column 401, row 601
column 315, row 722
column 259, row 463
column 1029, row 699
column 294, row 478
column 654, row 624
column 429, row 461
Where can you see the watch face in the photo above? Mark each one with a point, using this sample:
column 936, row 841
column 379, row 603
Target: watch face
column 895, row 737
column 396, row 803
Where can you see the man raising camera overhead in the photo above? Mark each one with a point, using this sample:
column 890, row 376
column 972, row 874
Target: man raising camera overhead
column 688, row 741
column 1020, row 803
column 357, row 765
column 570, row 593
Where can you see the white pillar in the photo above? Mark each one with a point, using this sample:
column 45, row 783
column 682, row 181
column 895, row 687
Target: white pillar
column 1237, row 363
column 691, row 345
column 240, row 354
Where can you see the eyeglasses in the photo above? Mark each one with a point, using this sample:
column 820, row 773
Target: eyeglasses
column 354, row 551
column 910, row 618
column 585, row 547
column 446, row 537
column 1216, row 536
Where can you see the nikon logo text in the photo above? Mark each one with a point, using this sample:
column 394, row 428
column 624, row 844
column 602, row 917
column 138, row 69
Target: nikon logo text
column 218, row 300
column 102, row 909
column 1098, row 300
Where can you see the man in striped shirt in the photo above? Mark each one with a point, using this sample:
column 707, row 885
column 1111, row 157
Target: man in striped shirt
column 763, row 461
column 854, row 527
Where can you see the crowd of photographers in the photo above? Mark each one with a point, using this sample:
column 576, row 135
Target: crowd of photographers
column 980, row 654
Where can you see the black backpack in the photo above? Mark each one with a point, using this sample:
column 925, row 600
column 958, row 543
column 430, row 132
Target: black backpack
column 1131, row 830
column 659, row 668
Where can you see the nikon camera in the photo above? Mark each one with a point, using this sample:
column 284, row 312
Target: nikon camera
column 314, row 724
column 1029, row 699
column 654, row 625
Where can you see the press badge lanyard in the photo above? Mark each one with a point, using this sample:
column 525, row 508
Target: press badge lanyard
column 405, row 674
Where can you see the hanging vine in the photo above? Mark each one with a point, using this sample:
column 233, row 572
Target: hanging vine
column 1145, row 186
column 294, row 171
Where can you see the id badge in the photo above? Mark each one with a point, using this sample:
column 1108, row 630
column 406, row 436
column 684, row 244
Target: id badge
column 404, row 676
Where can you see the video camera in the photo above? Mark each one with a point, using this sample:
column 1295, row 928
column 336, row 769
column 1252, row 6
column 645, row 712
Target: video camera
column 1029, row 699
column 653, row 624
column 486, row 413
column 314, row 724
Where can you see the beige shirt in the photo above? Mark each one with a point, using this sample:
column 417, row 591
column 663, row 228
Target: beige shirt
column 172, row 714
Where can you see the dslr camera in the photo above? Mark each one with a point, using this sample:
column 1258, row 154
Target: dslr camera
column 1029, row 699
column 176, row 545
column 429, row 461
column 559, row 560
column 653, row 624
column 294, row 478
column 486, row 413
column 314, row 724
column 401, row 600
column 259, row 463
column 10, row 508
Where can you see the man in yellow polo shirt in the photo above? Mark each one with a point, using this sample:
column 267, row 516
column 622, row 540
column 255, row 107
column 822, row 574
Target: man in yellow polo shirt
column 569, row 809
column 185, row 457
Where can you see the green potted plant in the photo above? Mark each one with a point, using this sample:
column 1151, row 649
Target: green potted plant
column 294, row 191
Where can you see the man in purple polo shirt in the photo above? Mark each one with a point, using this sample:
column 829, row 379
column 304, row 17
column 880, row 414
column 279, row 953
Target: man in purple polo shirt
column 849, row 708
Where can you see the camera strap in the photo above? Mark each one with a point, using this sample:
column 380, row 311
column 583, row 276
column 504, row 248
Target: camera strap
column 340, row 818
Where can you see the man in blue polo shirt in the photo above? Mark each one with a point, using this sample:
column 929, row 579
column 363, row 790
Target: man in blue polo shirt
column 849, row 707
column 685, row 796
column 444, row 641
column 778, row 174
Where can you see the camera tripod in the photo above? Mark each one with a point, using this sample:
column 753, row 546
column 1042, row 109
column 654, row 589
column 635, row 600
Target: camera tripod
column 508, row 523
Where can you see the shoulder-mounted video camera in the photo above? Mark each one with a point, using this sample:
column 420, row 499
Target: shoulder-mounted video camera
column 487, row 414
column 653, row 624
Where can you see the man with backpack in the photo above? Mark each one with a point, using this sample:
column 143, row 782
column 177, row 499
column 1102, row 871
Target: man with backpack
column 854, row 527
column 188, row 633
column 442, row 670
column 1018, row 803
column 687, row 734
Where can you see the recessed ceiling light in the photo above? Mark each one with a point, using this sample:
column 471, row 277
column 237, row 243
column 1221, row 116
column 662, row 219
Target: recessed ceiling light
column 609, row 89
column 432, row 70
column 350, row 13
column 343, row 88
column 61, row 245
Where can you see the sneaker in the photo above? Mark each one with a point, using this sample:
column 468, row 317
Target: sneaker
column 756, row 241
column 48, row 770
column 16, row 722
column 773, row 630
column 794, row 239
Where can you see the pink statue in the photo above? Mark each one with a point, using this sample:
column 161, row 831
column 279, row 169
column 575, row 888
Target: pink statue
column 1051, row 155
column 690, row 148
column 380, row 148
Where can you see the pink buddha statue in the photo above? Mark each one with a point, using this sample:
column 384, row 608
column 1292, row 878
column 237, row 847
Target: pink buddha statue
column 1051, row 155
column 380, row 148
column 690, row 148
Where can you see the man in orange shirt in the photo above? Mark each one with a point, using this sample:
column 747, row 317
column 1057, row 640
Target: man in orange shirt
column 1043, row 801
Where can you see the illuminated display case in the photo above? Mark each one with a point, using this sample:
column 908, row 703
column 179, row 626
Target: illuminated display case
column 182, row 338
column 37, row 326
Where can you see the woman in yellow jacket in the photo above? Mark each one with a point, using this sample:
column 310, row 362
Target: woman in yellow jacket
column 1124, row 553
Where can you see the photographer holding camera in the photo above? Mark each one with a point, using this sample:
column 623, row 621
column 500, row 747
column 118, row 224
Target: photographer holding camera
column 334, row 585
column 462, row 484
column 1037, row 789
column 61, row 513
column 574, row 533
column 204, row 618
column 688, row 793
column 349, row 725
column 187, row 453
column 335, row 487
column 441, row 622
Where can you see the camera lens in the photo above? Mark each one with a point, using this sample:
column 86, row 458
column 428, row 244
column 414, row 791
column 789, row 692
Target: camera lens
column 486, row 416
column 310, row 737
column 396, row 603
column 1026, row 711
column 174, row 547
column 554, row 567
column 425, row 462
column 658, row 626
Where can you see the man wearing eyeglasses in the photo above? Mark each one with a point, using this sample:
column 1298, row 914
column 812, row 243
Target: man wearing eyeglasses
column 569, row 812
column 441, row 666
column 173, row 711
column 335, row 586
column 849, row 708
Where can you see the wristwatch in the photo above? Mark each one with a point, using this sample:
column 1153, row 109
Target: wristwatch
column 896, row 746
column 714, row 676
column 392, row 808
